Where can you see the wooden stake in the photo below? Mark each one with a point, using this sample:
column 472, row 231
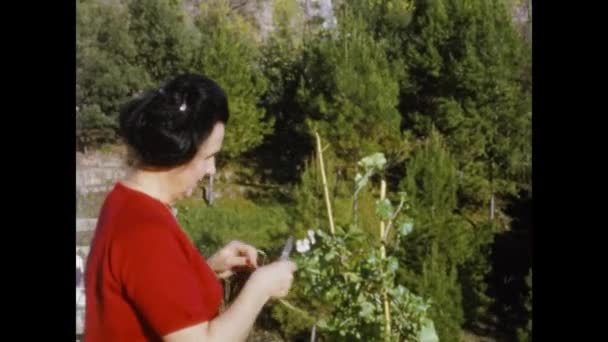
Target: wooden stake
column 325, row 190
column 382, row 223
column 387, row 312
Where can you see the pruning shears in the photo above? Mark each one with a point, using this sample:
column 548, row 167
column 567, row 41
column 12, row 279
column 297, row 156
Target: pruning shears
column 287, row 249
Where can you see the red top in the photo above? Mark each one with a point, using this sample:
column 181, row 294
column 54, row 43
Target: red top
column 144, row 278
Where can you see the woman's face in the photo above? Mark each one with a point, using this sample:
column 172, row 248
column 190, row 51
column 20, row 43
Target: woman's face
column 203, row 163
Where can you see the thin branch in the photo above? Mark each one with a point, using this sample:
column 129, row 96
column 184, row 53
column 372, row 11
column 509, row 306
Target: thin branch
column 325, row 189
column 390, row 222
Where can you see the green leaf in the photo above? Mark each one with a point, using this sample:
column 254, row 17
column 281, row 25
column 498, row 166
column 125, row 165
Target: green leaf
column 361, row 181
column 351, row 276
column 406, row 228
column 393, row 265
column 367, row 310
column 322, row 234
column 374, row 161
column 428, row 333
column 384, row 209
column 330, row 255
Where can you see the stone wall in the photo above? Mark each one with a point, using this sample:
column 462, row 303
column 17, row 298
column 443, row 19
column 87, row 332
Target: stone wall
column 97, row 171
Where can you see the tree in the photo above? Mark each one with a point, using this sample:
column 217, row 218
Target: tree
column 439, row 283
column 350, row 92
column 284, row 152
column 387, row 19
column 228, row 53
column 164, row 39
column 469, row 77
column 432, row 184
column 106, row 70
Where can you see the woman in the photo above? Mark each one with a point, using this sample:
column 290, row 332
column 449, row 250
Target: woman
column 145, row 281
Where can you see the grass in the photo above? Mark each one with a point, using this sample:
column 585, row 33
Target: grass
column 210, row 227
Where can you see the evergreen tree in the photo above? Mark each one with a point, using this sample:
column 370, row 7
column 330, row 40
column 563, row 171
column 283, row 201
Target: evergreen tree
column 469, row 77
column 228, row 53
column 439, row 283
column 284, row 152
column 432, row 186
column 164, row 39
column 350, row 92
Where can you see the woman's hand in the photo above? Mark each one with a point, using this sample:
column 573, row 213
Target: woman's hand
column 274, row 280
column 234, row 254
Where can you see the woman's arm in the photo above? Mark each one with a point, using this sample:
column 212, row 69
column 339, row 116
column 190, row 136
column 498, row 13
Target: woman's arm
column 235, row 323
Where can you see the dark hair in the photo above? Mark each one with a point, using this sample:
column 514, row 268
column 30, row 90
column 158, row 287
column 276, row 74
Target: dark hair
column 165, row 127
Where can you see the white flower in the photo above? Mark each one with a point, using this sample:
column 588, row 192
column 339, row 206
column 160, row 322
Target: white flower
column 302, row 246
column 311, row 236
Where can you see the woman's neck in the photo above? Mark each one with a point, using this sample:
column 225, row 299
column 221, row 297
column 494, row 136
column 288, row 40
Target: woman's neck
column 156, row 184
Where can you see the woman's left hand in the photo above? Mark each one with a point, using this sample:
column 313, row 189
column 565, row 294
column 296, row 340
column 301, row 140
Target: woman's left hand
column 234, row 254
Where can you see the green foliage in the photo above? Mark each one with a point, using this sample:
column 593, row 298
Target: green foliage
column 281, row 63
column 309, row 210
column 367, row 220
column 370, row 164
column 210, row 228
column 106, row 70
column 350, row 93
column 165, row 42
column 289, row 22
column 452, row 78
column 387, row 19
column 432, row 181
column 431, row 176
column 228, row 53
column 347, row 286
column 432, row 184
column 472, row 277
column 342, row 282
column 93, row 126
column 467, row 63
column 439, row 283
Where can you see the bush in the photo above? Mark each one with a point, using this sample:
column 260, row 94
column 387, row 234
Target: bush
column 211, row 227
column 347, row 281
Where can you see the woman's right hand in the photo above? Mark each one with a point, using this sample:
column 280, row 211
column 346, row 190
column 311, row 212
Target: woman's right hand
column 274, row 280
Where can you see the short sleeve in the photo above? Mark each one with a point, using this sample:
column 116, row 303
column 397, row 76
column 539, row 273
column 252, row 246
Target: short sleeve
column 159, row 280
